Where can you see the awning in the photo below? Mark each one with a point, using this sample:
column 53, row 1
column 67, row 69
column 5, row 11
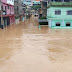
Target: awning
column 8, row 15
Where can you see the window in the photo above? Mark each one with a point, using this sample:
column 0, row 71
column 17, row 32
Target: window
column 10, row 9
column 57, row 24
column 11, row 20
column 69, row 12
column 2, row 8
column 67, row 24
column 8, row 6
column 5, row 7
column 17, row 8
column 57, row 12
column 15, row 2
column 45, row 4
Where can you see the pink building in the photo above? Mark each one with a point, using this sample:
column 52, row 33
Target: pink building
column 8, row 12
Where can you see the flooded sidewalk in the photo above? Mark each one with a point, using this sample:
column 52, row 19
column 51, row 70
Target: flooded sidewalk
column 26, row 48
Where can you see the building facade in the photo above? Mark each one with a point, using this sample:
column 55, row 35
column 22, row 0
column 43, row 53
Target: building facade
column 44, row 7
column 59, row 14
column 18, row 7
column 8, row 13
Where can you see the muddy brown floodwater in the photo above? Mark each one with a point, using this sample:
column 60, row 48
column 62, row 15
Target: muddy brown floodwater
column 26, row 48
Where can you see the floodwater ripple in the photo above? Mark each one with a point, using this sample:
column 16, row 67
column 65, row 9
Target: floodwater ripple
column 26, row 48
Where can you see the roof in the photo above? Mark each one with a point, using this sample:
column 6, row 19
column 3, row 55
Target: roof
column 60, row 4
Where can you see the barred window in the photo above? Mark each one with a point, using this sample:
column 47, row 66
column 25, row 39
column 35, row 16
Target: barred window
column 68, row 24
column 57, row 12
column 58, row 24
column 8, row 6
column 69, row 12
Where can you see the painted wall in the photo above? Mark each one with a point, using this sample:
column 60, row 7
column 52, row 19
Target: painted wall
column 12, row 19
column 10, row 10
column 62, row 19
column 8, row 6
column 4, row 1
column 0, row 6
column 10, row 2
column 51, row 12
column 52, row 23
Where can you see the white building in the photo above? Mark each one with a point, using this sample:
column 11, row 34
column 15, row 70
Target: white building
column 28, row 2
column 11, row 2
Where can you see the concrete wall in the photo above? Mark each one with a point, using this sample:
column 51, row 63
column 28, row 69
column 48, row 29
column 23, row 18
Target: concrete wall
column 51, row 12
column 52, row 23
column 8, row 7
column 62, row 19
column 18, row 7
column 10, row 10
column 4, row 1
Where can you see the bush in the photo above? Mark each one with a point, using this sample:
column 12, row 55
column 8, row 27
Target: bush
column 36, row 7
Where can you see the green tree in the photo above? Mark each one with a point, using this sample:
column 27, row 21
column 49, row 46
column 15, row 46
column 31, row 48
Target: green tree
column 36, row 7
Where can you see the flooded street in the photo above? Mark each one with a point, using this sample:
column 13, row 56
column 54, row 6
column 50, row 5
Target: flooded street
column 26, row 48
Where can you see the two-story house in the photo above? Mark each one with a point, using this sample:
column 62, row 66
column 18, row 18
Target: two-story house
column 59, row 13
column 7, row 7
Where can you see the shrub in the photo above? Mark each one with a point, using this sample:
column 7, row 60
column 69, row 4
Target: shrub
column 36, row 7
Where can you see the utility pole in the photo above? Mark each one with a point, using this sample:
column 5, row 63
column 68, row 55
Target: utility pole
column 2, row 25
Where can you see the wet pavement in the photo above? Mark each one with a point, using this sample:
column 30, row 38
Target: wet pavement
column 26, row 48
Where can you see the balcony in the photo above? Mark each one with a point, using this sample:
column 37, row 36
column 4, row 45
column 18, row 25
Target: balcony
column 60, row 4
